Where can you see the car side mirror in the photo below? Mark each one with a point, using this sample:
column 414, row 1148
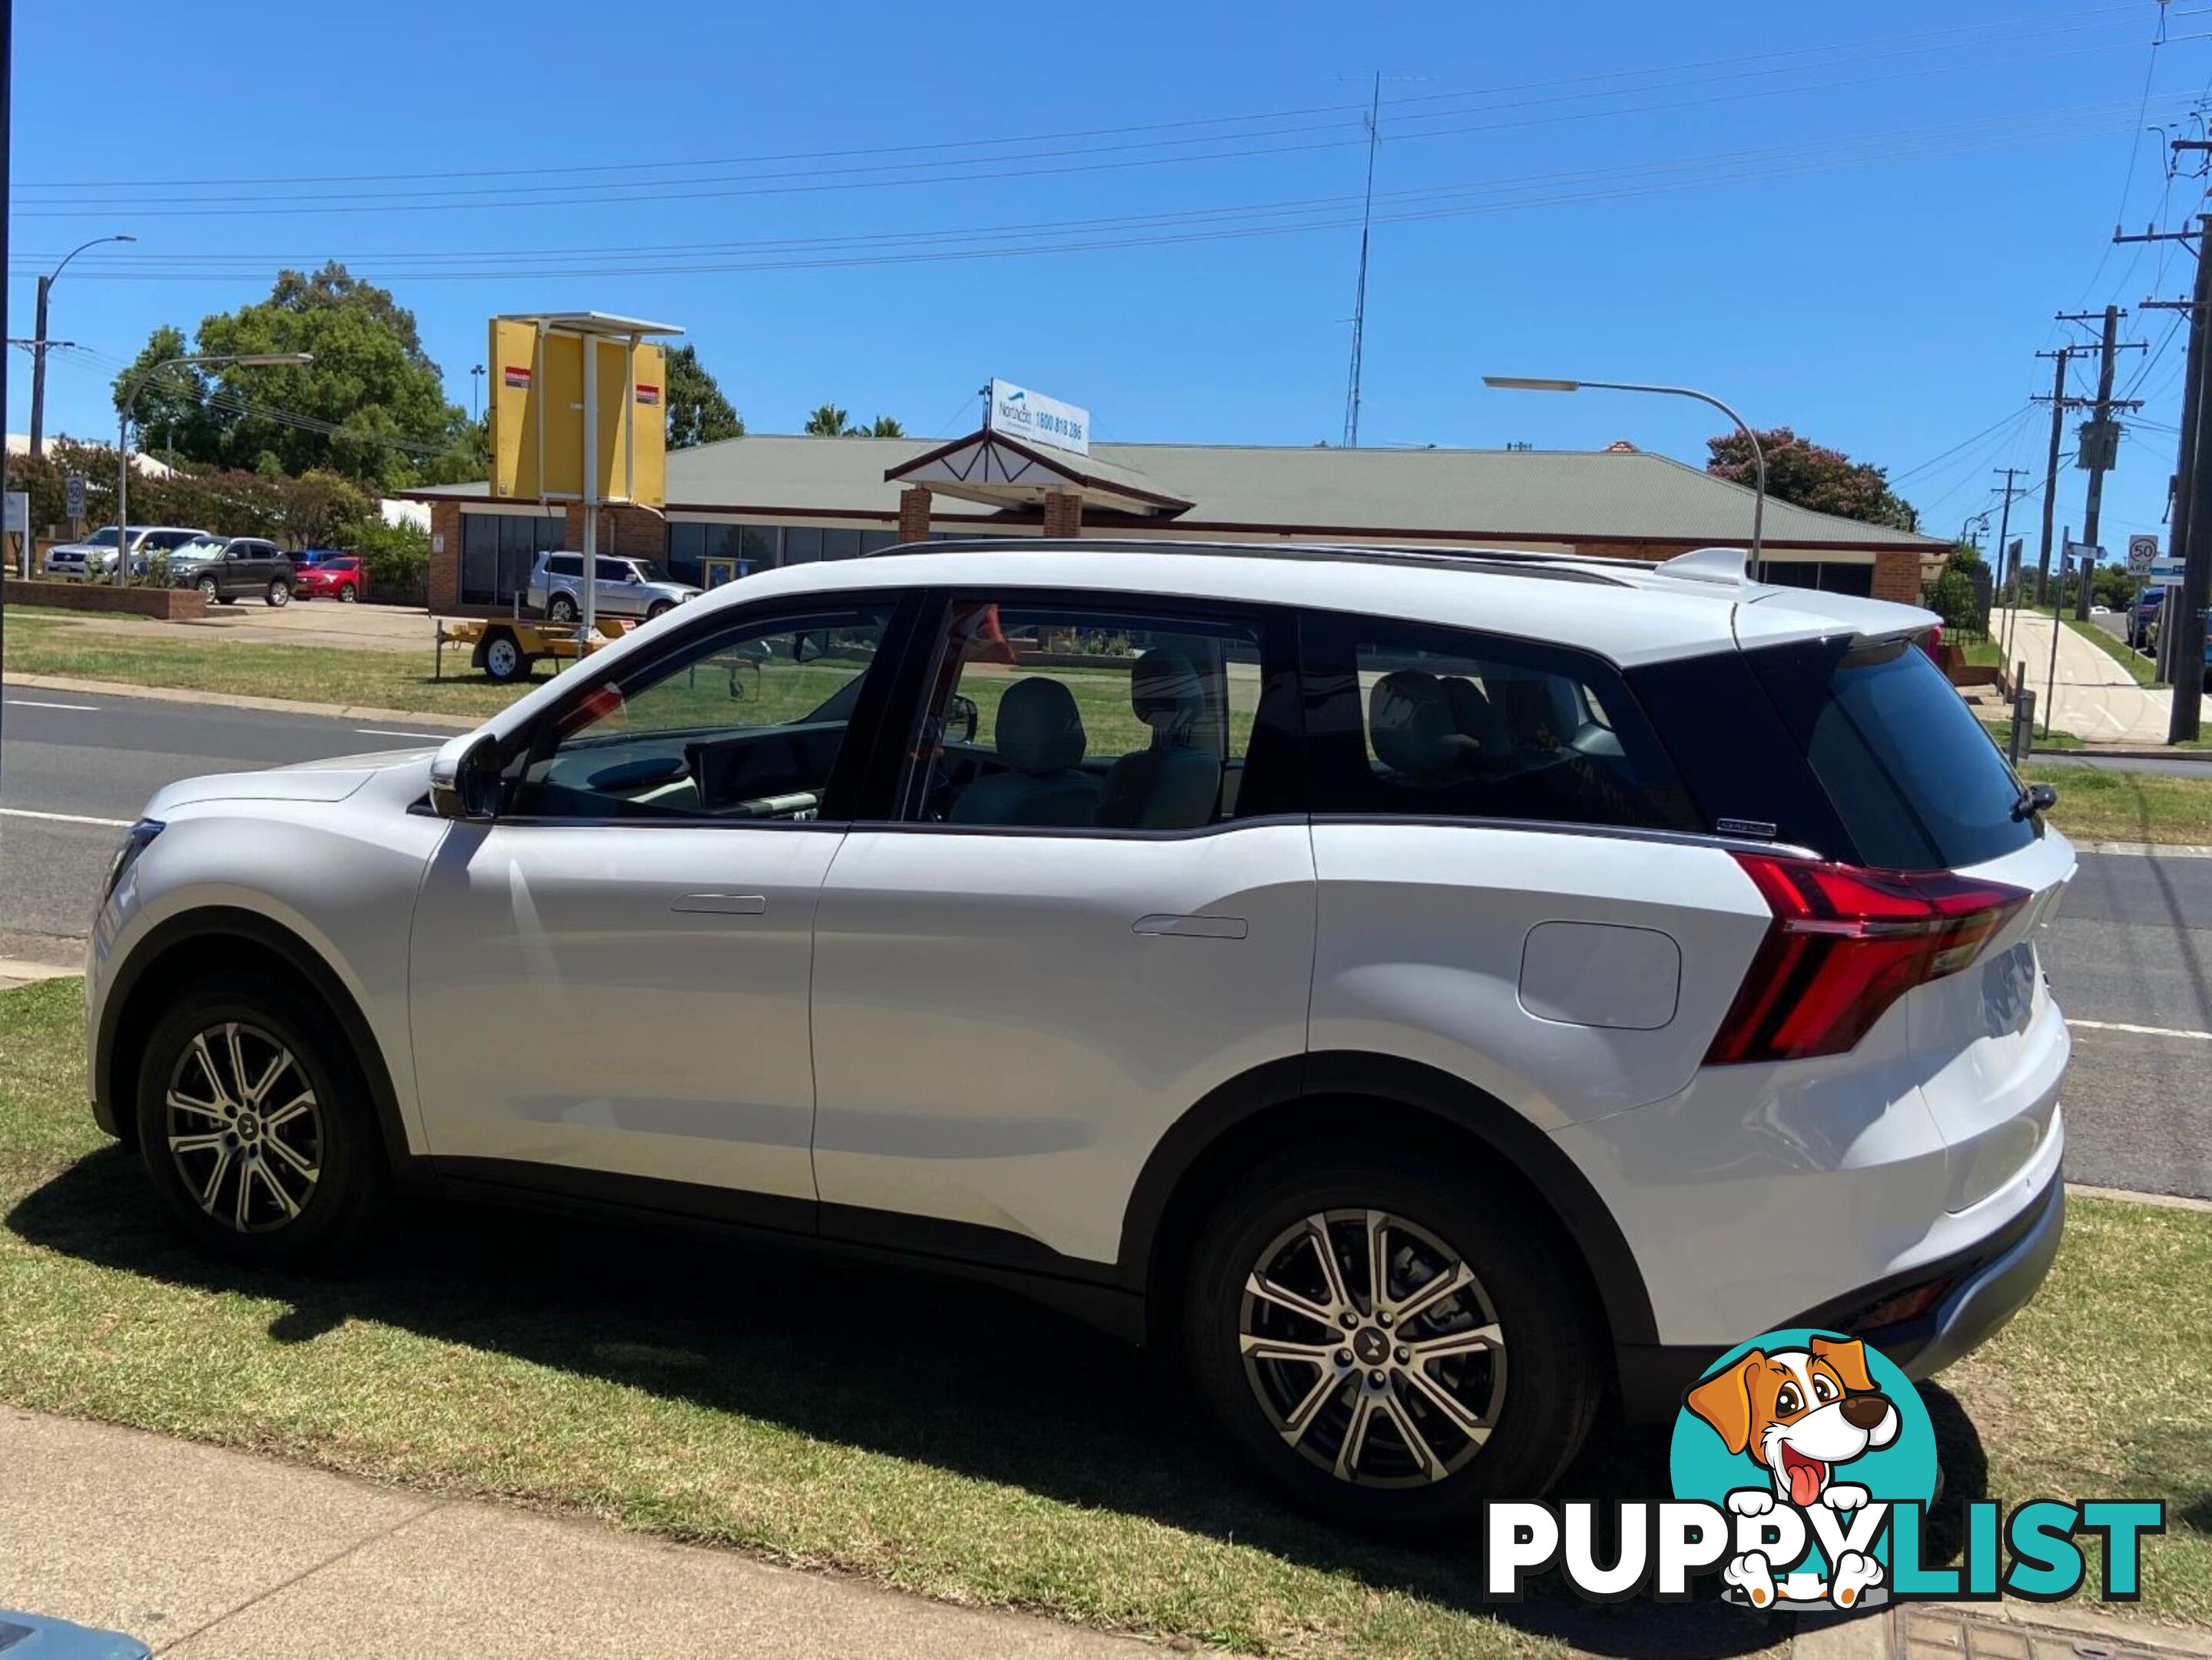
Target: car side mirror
column 962, row 718
column 464, row 778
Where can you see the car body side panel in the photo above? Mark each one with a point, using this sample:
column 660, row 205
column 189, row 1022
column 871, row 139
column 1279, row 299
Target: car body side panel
column 346, row 886
column 1424, row 951
column 1006, row 1025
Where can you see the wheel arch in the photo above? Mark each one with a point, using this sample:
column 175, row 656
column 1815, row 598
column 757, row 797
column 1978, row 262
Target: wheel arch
column 1205, row 1150
column 183, row 947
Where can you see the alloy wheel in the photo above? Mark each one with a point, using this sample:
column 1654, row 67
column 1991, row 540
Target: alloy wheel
column 209, row 591
column 245, row 1128
column 1372, row 1348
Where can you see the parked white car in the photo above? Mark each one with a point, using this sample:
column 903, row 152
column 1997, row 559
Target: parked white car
column 627, row 587
column 96, row 556
column 1434, row 989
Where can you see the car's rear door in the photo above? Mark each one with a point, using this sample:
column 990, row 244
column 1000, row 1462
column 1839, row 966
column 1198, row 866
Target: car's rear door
column 1089, row 905
column 609, row 981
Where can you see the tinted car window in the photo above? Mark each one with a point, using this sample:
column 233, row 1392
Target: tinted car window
column 1112, row 714
column 1406, row 718
column 565, row 565
column 613, row 570
column 743, row 724
column 1916, row 782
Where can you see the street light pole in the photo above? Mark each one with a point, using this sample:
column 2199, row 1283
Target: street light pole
column 242, row 360
column 1527, row 383
column 39, row 344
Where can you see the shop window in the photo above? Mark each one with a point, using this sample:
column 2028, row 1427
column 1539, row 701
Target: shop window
column 801, row 546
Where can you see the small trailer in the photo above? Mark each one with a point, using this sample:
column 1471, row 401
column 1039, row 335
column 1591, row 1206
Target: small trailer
column 506, row 648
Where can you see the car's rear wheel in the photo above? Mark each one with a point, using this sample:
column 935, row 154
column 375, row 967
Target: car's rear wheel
column 561, row 608
column 1391, row 1339
column 279, row 593
column 256, row 1125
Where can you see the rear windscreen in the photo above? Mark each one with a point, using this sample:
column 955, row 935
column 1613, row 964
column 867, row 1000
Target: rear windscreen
column 1916, row 782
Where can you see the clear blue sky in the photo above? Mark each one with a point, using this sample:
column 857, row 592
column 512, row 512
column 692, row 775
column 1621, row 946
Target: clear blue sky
column 1856, row 221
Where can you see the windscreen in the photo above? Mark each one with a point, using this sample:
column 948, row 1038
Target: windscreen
column 1916, row 782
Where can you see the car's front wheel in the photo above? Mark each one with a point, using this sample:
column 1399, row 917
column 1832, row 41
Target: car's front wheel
column 256, row 1125
column 659, row 608
column 1389, row 1338
column 210, row 591
column 349, row 594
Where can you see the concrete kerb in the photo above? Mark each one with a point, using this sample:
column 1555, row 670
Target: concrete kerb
column 240, row 700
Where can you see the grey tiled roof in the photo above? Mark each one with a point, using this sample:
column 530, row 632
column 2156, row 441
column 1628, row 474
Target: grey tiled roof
column 1524, row 495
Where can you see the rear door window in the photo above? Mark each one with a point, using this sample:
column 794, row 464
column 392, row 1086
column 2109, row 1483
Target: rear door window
column 1410, row 719
column 1916, row 780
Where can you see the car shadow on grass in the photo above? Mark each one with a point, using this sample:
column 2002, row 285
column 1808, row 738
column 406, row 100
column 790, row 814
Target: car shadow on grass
column 963, row 1377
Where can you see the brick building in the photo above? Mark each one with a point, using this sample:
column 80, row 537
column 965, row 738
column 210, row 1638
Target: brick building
column 753, row 503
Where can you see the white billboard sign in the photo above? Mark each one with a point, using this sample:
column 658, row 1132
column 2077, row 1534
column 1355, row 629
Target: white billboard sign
column 17, row 520
column 1020, row 413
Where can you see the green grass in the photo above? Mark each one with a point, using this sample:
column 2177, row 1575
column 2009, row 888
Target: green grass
column 51, row 643
column 2095, row 805
column 932, row 1437
column 2142, row 670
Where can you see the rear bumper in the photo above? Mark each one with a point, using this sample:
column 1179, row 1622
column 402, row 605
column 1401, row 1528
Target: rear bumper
column 1977, row 1291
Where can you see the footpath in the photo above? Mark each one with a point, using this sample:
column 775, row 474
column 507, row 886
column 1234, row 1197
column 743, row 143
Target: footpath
column 200, row 1552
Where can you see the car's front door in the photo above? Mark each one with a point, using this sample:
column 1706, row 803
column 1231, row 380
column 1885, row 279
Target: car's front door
column 618, row 595
column 1092, row 906
column 609, row 980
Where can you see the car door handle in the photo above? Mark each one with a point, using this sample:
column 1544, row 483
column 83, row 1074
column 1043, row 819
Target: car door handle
column 1193, row 927
column 723, row 905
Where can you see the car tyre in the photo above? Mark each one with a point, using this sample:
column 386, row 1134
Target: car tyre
column 658, row 608
column 504, row 660
column 256, row 1125
column 279, row 594
column 1511, row 1379
column 349, row 594
column 561, row 608
column 210, row 591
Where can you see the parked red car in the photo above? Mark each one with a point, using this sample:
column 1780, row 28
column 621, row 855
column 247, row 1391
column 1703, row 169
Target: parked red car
column 339, row 576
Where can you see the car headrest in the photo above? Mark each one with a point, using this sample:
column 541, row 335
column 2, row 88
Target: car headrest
column 1409, row 722
column 1039, row 729
column 1165, row 692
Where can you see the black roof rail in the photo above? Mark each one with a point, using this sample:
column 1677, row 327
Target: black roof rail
column 1555, row 567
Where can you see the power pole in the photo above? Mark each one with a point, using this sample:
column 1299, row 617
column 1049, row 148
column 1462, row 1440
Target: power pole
column 2100, row 445
column 1359, row 302
column 2192, row 520
column 40, row 347
column 2099, row 439
column 2050, row 471
column 2004, row 529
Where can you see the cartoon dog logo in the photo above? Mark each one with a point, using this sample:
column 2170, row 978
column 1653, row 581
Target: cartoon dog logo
column 1799, row 1413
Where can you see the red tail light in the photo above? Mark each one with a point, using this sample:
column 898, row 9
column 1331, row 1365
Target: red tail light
column 1845, row 944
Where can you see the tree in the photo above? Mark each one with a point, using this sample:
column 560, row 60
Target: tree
column 697, row 411
column 371, row 407
column 828, row 421
column 884, row 426
column 1815, row 476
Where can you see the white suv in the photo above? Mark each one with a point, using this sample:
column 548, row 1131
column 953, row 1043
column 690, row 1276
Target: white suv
column 626, row 587
column 1434, row 989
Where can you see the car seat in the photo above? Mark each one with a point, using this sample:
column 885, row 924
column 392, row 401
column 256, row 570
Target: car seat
column 1038, row 733
column 1171, row 783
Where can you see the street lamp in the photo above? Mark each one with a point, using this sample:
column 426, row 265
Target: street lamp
column 1531, row 383
column 250, row 360
column 39, row 343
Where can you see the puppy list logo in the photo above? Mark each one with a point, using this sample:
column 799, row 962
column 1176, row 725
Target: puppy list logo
column 1807, row 1441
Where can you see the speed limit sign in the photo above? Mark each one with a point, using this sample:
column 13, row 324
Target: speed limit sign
column 73, row 497
column 2142, row 550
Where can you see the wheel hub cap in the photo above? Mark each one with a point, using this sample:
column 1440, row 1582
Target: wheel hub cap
column 245, row 1128
column 1372, row 1349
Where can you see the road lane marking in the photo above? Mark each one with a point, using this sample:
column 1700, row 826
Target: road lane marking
column 34, row 703
column 386, row 732
column 65, row 817
column 2141, row 1031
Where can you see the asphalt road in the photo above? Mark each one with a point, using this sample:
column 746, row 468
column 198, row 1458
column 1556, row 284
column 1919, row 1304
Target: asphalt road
column 2132, row 948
